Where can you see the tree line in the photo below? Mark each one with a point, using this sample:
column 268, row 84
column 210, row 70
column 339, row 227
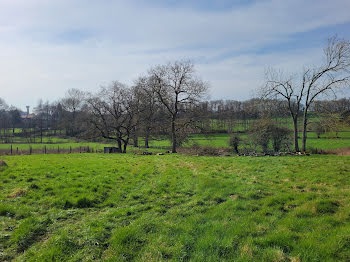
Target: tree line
column 172, row 100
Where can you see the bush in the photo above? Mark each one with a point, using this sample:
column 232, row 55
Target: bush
column 181, row 138
column 234, row 142
column 280, row 137
column 260, row 133
column 318, row 128
column 264, row 132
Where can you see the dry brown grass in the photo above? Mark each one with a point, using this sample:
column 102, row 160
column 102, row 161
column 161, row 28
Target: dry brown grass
column 205, row 151
column 2, row 163
column 345, row 151
column 18, row 192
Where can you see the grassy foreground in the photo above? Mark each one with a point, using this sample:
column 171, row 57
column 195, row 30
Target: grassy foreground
column 81, row 207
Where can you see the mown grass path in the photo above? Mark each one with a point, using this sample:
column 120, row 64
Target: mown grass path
column 81, row 207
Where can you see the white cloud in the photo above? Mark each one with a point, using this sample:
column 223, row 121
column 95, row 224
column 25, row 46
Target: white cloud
column 42, row 53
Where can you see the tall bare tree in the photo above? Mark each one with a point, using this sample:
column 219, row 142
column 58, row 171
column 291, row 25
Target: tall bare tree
column 328, row 78
column 301, row 91
column 177, row 87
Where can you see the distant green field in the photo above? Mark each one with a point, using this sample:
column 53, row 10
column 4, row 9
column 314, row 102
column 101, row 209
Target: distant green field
column 75, row 146
column 242, row 125
column 84, row 207
column 37, row 139
column 327, row 141
column 54, row 146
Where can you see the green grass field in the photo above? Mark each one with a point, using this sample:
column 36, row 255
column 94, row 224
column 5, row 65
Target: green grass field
column 327, row 141
column 83, row 207
column 59, row 147
column 45, row 139
column 160, row 144
column 54, row 146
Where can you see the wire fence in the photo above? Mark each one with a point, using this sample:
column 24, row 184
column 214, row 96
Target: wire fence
column 15, row 150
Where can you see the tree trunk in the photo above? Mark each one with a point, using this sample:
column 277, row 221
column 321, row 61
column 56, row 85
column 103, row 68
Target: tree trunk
column 296, row 142
column 126, row 142
column 147, row 139
column 41, row 130
column 136, row 141
column 135, row 138
column 73, row 123
column 119, row 144
column 173, row 134
column 303, row 149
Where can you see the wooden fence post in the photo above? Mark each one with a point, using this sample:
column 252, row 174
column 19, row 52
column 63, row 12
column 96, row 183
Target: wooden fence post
column 11, row 149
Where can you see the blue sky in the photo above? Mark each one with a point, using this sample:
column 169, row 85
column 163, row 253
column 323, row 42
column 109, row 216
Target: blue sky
column 47, row 47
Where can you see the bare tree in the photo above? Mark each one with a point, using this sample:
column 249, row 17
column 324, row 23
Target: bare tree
column 328, row 78
column 279, row 86
column 15, row 118
column 177, row 88
column 113, row 113
column 72, row 103
column 333, row 122
column 149, row 107
column 301, row 92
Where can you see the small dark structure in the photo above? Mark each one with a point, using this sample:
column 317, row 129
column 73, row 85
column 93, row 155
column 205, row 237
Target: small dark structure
column 111, row 150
